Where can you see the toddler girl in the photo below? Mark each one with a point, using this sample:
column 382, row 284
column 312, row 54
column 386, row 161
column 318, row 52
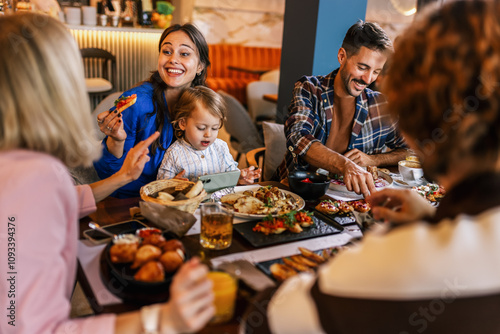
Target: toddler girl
column 199, row 114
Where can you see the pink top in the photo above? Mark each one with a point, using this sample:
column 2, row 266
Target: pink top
column 39, row 211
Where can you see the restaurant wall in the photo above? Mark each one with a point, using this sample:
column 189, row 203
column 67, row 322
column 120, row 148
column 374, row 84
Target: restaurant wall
column 249, row 23
column 392, row 15
column 260, row 22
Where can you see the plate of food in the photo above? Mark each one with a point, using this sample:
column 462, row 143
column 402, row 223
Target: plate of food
column 381, row 180
column 140, row 266
column 346, row 213
column 293, row 226
column 432, row 192
column 305, row 261
column 343, row 213
column 259, row 201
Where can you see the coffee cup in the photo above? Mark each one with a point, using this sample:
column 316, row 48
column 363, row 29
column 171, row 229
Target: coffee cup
column 89, row 15
column 73, row 15
column 115, row 20
column 411, row 171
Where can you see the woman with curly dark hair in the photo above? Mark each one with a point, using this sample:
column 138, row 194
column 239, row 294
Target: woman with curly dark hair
column 182, row 62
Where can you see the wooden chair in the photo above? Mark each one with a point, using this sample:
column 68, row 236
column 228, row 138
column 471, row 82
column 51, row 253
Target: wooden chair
column 256, row 158
column 100, row 73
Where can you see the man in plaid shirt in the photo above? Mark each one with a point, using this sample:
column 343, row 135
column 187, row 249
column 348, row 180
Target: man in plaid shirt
column 336, row 123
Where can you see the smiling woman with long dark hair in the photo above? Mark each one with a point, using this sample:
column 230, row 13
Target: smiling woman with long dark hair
column 182, row 62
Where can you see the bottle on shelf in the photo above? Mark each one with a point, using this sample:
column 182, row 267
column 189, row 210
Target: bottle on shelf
column 144, row 12
column 129, row 14
column 8, row 7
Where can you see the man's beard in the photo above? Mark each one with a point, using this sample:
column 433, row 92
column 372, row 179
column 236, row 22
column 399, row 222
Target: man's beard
column 345, row 79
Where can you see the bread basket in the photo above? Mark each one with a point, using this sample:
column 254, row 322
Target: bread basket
column 187, row 205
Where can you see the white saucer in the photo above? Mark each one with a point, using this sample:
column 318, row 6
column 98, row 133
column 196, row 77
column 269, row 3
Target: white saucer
column 405, row 184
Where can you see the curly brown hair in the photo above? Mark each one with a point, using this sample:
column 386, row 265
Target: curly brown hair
column 443, row 85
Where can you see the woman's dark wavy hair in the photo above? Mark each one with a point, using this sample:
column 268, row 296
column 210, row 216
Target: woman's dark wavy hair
column 160, row 109
column 443, row 85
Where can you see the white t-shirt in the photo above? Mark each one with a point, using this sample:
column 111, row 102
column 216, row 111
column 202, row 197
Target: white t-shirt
column 458, row 257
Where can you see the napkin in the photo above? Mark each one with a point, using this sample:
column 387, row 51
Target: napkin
column 170, row 219
column 344, row 196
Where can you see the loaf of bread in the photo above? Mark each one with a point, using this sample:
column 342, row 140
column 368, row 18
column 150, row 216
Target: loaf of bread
column 195, row 190
column 373, row 170
column 165, row 196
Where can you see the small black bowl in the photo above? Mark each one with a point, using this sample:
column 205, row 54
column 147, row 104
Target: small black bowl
column 306, row 190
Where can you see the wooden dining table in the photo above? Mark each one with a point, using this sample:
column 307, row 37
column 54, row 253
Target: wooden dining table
column 271, row 97
column 113, row 210
column 250, row 69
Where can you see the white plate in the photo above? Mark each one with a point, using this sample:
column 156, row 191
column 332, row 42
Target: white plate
column 216, row 196
column 343, row 188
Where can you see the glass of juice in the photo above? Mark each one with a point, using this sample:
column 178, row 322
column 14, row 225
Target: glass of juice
column 216, row 225
column 225, row 287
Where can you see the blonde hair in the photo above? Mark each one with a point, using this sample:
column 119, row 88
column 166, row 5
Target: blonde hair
column 44, row 105
column 188, row 101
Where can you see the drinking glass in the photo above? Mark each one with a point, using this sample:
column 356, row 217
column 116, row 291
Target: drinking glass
column 216, row 225
column 225, row 287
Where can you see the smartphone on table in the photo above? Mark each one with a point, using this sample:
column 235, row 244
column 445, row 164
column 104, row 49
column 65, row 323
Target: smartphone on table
column 217, row 181
column 129, row 226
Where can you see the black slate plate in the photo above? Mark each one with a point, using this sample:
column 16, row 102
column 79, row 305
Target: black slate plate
column 321, row 227
column 265, row 266
column 341, row 219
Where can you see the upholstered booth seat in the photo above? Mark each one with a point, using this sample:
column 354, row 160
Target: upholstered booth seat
column 234, row 82
column 234, row 87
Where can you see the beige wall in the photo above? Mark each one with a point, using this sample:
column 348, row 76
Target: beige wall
column 242, row 22
column 246, row 22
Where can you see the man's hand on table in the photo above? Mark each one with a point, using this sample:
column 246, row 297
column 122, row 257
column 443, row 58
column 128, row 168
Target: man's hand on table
column 360, row 158
column 358, row 180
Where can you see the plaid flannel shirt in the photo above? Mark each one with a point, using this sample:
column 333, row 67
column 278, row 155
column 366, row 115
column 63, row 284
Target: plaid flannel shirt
column 310, row 117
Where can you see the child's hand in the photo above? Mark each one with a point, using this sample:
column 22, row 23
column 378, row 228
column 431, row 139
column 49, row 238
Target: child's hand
column 180, row 176
column 248, row 175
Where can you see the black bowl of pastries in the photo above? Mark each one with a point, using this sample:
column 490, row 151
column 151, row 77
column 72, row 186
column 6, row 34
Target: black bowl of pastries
column 308, row 185
column 140, row 267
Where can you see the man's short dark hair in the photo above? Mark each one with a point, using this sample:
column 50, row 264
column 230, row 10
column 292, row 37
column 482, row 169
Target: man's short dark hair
column 367, row 34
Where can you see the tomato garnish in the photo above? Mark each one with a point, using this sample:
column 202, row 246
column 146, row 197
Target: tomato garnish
column 148, row 231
